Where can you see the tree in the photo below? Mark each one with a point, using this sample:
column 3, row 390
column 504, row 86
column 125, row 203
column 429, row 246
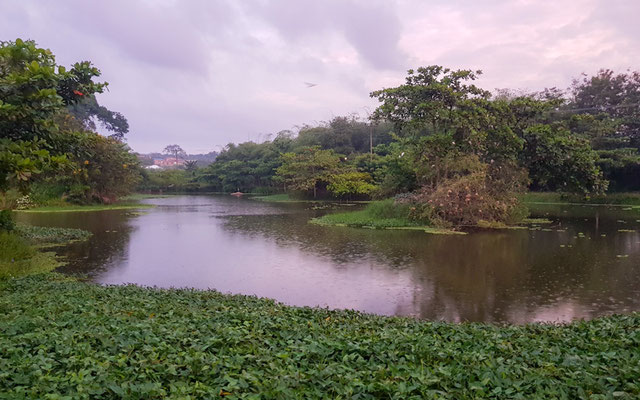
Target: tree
column 248, row 166
column 88, row 109
column 559, row 160
column 350, row 183
column 604, row 109
column 308, row 170
column 344, row 135
column 191, row 166
column 614, row 95
column 22, row 161
column 34, row 90
column 174, row 150
column 433, row 99
column 106, row 169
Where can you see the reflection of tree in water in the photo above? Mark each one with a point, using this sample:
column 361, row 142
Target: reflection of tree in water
column 517, row 276
column 340, row 245
column 104, row 249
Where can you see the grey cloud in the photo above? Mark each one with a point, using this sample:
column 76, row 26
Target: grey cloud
column 371, row 27
column 375, row 31
column 168, row 36
column 621, row 15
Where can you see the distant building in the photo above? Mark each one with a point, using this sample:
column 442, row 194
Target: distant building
column 153, row 167
column 169, row 162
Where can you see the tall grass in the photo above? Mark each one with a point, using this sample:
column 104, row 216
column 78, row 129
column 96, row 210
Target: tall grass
column 387, row 209
column 630, row 198
column 18, row 258
column 377, row 214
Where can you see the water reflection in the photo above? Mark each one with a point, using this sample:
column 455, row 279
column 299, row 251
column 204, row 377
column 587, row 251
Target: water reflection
column 580, row 266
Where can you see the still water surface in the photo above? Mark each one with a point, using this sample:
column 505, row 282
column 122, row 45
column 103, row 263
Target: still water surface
column 585, row 264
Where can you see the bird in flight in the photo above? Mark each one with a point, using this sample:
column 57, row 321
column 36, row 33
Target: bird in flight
column 310, row 85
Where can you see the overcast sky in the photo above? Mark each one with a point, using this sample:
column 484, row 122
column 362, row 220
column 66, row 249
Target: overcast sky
column 202, row 73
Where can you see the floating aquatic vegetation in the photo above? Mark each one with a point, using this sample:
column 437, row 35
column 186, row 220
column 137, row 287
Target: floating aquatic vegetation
column 62, row 337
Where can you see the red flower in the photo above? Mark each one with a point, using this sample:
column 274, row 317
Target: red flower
column 78, row 93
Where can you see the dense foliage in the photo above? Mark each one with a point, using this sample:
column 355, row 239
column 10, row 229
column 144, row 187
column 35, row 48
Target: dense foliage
column 139, row 343
column 18, row 257
column 46, row 115
column 605, row 110
column 172, row 180
column 472, row 193
column 459, row 153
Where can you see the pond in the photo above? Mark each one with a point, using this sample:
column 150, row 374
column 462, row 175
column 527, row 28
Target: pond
column 586, row 263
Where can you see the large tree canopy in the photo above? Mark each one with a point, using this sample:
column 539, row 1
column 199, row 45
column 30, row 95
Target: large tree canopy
column 433, row 99
column 33, row 88
column 39, row 138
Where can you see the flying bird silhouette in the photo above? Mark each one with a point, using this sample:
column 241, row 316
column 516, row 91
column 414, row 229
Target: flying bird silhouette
column 310, row 85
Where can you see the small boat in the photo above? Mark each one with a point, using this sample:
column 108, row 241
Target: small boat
column 237, row 194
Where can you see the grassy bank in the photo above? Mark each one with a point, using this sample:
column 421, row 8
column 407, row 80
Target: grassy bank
column 65, row 207
column 622, row 199
column 143, row 196
column 286, row 198
column 379, row 215
column 19, row 249
column 66, row 338
column 18, row 257
column 277, row 198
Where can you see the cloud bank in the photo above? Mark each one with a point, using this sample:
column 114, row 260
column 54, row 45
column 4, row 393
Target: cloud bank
column 205, row 73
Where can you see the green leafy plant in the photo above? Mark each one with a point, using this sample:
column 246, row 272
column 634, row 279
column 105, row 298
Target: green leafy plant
column 70, row 339
column 6, row 221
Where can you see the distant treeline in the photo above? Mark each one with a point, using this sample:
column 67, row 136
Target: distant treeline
column 201, row 159
column 583, row 139
column 456, row 153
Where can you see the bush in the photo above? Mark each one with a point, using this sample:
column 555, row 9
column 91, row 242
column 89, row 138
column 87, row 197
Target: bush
column 42, row 193
column 78, row 194
column 24, row 203
column 107, row 168
column 6, row 221
column 350, row 184
column 18, row 258
column 486, row 193
column 9, row 199
column 388, row 209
